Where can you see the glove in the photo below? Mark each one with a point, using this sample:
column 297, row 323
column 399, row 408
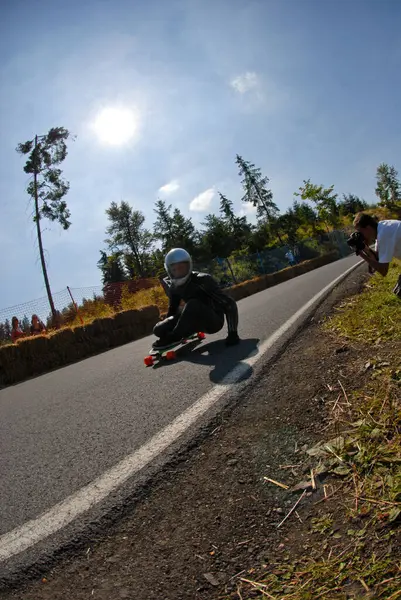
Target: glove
column 232, row 339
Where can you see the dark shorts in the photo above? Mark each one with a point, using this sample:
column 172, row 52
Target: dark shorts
column 194, row 317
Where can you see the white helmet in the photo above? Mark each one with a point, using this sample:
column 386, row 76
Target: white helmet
column 178, row 255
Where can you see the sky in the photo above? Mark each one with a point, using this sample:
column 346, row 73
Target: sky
column 163, row 94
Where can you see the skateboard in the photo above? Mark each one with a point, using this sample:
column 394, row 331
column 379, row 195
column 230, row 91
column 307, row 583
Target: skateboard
column 169, row 353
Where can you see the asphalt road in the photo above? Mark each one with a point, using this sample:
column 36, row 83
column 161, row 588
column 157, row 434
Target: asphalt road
column 61, row 430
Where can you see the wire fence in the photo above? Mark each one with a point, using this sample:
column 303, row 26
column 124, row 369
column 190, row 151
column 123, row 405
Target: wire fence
column 227, row 271
column 240, row 267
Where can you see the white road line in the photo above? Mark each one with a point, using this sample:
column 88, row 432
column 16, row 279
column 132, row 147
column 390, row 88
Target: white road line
column 61, row 514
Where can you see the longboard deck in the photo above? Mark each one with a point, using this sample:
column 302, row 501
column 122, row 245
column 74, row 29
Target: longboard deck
column 169, row 353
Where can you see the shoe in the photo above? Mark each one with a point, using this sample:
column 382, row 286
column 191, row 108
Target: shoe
column 166, row 342
column 163, row 344
column 232, row 339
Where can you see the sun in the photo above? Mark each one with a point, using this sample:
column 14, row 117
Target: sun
column 116, row 126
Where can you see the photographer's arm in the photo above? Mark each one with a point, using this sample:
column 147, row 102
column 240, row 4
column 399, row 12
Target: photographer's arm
column 370, row 257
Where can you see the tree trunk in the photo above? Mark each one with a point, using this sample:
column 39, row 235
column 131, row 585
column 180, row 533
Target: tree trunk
column 134, row 250
column 39, row 234
column 231, row 270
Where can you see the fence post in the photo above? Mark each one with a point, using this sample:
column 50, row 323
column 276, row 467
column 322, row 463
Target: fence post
column 75, row 305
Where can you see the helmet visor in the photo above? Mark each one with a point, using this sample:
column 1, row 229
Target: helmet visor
column 179, row 270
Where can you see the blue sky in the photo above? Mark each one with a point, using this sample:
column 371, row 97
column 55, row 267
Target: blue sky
column 302, row 88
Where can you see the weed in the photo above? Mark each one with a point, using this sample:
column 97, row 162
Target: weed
column 366, row 456
column 373, row 316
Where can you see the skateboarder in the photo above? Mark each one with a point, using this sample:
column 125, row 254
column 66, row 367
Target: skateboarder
column 205, row 304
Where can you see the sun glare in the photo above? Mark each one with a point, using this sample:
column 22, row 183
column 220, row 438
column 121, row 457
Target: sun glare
column 115, row 126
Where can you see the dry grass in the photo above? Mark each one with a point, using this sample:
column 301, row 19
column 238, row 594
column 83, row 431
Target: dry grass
column 374, row 315
column 152, row 296
column 99, row 309
column 364, row 559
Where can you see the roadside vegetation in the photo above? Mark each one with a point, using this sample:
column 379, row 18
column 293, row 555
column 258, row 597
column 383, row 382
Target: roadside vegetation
column 354, row 545
column 226, row 244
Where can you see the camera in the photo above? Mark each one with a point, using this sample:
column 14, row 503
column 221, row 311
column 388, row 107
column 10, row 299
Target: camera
column 356, row 241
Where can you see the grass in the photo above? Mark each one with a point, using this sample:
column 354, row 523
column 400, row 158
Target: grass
column 353, row 549
column 99, row 309
column 374, row 315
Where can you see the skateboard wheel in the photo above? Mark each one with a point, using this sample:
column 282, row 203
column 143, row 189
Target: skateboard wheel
column 148, row 360
column 170, row 355
column 201, row 335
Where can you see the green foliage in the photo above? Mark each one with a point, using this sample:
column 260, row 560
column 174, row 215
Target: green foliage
column 351, row 204
column 44, row 157
column 387, row 185
column 112, row 268
column 25, row 324
column 5, row 332
column 322, row 524
column 356, row 555
column 128, row 235
column 133, row 251
column 290, row 223
column 237, row 227
column 373, row 315
column 173, row 229
column 325, row 200
column 217, row 239
column 244, row 269
column 226, row 209
column 256, row 191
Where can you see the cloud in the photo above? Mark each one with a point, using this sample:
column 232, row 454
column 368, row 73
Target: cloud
column 203, row 201
column 245, row 82
column 247, row 210
column 169, row 188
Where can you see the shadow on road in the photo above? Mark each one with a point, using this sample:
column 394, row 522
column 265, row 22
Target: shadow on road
column 224, row 359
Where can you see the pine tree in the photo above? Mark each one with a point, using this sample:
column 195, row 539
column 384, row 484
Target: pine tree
column 226, row 208
column 238, row 227
column 351, row 204
column 111, row 268
column 47, row 188
column 25, row 324
column 184, row 232
column 128, row 235
column 256, row 190
column 7, row 329
column 173, row 230
column 216, row 238
column 163, row 226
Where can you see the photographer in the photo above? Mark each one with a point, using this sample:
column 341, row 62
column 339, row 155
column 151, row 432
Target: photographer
column 387, row 235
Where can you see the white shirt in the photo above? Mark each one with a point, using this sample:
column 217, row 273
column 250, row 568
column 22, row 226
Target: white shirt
column 388, row 244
